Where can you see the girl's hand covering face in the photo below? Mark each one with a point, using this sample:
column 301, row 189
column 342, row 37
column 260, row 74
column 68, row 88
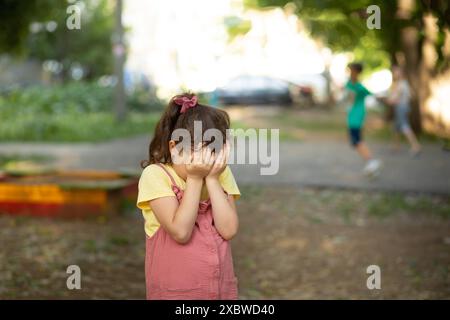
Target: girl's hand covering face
column 200, row 163
column 220, row 162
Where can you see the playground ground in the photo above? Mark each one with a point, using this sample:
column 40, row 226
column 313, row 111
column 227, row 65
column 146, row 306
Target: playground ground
column 294, row 243
column 309, row 232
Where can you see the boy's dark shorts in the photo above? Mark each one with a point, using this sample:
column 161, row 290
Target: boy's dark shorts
column 355, row 135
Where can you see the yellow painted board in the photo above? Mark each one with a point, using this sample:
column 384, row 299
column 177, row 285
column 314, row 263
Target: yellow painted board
column 50, row 194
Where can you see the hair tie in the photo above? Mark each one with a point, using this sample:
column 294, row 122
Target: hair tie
column 186, row 103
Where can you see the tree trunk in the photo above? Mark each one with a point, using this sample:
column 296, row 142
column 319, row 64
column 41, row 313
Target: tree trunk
column 410, row 61
column 119, row 60
column 429, row 58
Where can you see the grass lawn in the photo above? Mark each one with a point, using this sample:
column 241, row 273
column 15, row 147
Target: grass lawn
column 294, row 125
column 300, row 124
column 77, row 127
column 72, row 112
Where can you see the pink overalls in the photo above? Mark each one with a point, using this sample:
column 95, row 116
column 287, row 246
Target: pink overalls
column 199, row 269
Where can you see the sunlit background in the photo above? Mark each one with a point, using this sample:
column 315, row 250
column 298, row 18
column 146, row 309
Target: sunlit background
column 277, row 44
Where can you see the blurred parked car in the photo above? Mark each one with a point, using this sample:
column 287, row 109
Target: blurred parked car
column 248, row 89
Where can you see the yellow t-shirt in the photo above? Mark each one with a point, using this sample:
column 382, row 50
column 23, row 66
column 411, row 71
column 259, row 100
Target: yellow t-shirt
column 155, row 183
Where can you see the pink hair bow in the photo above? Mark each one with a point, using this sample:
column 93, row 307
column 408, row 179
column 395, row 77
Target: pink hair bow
column 186, row 103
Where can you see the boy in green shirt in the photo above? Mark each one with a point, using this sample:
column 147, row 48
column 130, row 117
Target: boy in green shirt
column 356, row 116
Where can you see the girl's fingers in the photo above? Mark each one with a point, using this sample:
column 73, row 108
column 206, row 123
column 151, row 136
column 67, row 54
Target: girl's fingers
column 198, row 154
column 198, row 147
column 212, row 159
column 220, row 161
column 190, row 158
column 202, row 152
column 219, row 158
column 227, row 152
column 212, row 156
column 207, row 155
column 194, row 157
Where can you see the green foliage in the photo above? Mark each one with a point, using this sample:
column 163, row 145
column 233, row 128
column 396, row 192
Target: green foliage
column 370, row 51
column 15, row 19
column 385, row 205
column 74, row 112
column 89, row 47
column 236, row 26
column 14, row 158
column 143, row 100
column 75, row 97
column 75, row 127
column 341, row 24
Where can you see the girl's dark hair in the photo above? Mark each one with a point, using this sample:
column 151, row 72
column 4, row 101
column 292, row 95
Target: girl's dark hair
column 172, row 119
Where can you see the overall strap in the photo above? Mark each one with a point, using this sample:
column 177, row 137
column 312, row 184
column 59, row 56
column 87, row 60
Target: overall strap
column 168, row 173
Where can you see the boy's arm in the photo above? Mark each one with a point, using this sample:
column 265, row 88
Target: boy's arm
column 366, row 92
column 393, row 98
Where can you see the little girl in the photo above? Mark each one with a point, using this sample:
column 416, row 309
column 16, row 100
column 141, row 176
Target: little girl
column 189, row 208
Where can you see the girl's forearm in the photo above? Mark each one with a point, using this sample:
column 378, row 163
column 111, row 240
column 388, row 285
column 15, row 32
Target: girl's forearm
column 186, row 214
column 225, row 216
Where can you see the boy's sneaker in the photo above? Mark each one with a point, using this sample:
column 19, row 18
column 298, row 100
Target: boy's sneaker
column 372, row 167
column 415, row 153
